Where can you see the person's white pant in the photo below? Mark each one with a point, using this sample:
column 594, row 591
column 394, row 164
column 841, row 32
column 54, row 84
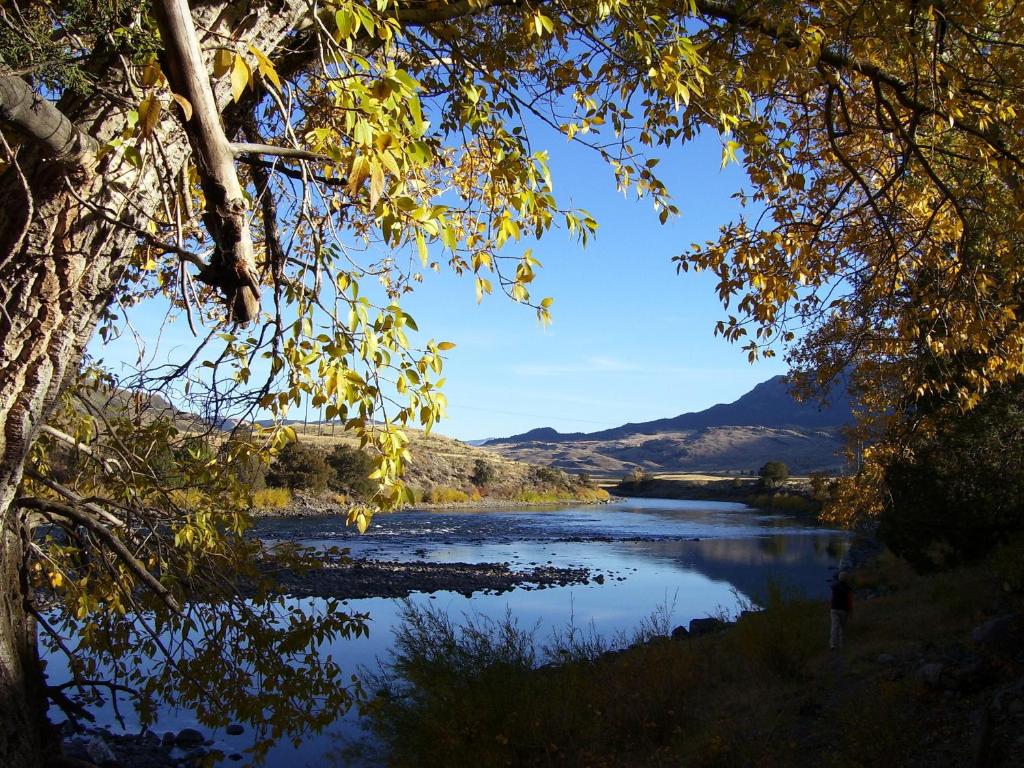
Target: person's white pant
column 838, row 628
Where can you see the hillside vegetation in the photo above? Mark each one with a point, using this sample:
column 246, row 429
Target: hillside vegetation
column 446, row 471
column 930, row 676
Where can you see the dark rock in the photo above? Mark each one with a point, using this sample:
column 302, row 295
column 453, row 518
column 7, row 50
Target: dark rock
column 234, row 730
column 886, row 658
column 100, row 752
column 705, row 626
column 235, row 756
column 189, row 737
column 680, row 633
column 972, row 675
column 1002, row 635
column 931, row 674
column 194, row 755
column 599, row 579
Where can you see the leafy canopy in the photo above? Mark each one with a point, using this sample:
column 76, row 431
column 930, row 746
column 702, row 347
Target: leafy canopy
column 883, row 151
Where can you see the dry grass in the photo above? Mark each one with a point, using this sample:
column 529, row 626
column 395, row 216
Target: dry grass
column 272, row 498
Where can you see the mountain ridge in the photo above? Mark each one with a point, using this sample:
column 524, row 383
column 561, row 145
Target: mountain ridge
column 768, row 404
column 765, row 424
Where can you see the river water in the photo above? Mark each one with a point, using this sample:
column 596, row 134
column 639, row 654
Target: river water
column 695, row 558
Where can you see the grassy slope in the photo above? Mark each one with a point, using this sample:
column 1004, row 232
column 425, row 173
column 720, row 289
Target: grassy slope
column 767, row 692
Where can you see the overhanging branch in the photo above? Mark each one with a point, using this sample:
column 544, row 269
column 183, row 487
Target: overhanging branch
column 42, row 123
column 83, row 518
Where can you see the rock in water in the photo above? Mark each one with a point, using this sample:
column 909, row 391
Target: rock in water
column 189, row 737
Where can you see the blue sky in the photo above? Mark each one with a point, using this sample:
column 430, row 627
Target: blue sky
column 630, row 339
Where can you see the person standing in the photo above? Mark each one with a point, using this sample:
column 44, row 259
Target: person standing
column 842, row 607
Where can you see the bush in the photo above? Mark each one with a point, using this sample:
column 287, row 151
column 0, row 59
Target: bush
column 773, row 474
column 442, row 494
column 352, row 468
column 483, row 473
column 783, row 637
column 297, row 466
column 638, row 476
column 549, row 475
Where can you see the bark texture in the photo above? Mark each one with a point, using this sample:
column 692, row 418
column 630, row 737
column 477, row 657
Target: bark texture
column 66, row 236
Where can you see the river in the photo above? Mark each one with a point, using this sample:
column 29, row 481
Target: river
column 694, row 558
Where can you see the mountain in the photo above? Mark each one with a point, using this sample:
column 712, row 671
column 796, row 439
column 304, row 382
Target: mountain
column 769, row 404
column 767, row 423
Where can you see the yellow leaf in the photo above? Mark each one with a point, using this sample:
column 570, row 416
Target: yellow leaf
column 445, row 346
column 149, row 115
column 376, row 182
column 356, row 176
column 265, row 66
column 222, row 61
column 185, row 104
column 240, row 77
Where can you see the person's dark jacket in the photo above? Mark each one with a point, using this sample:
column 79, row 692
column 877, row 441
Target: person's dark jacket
column 842, row 597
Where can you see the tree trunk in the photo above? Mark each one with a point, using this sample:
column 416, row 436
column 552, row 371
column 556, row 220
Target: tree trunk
column 25, row 734
column 65, row 240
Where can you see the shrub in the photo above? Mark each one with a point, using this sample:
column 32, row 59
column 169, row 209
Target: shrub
column 960, row 491
column 442, row 494
column 773, row 474
column 297, row 466
column 1008, row 565
column 784, row 636
column 549, row 475
column 483, row 473
column 638, row 476
column 352, row 468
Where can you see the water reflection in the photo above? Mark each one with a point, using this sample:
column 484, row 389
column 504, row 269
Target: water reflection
column 698, row 558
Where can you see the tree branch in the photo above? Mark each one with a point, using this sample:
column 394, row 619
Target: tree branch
column 241, row 148
column 70, row 495
column 41, row 122
column 787, row 36
column 233, row 265
column 91, row 524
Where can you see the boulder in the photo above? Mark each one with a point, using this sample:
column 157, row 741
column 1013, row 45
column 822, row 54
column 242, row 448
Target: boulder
column 189, row 737
column 100, row 752
column 234, row 730
column 931, row 674
column 1003, row 635
column 705, row 626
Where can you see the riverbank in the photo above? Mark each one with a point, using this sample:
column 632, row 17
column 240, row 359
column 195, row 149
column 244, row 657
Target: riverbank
column 932, row 674
column 792, row 498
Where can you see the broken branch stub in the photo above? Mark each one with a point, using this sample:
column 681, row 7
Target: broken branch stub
column 232, row 267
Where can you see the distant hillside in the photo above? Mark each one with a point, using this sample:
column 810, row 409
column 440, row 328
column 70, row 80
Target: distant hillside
column 765, row 424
